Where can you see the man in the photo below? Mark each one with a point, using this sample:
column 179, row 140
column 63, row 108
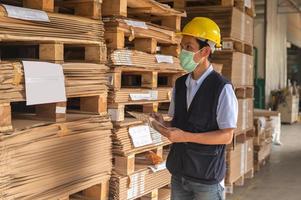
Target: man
column 204, row 111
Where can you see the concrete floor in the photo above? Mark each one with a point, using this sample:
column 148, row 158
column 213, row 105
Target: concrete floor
column 280, row 179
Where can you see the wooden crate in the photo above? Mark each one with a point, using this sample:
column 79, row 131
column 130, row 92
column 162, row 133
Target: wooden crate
column 145, row 10
column 148, row 38
column 85, row 8
column 234, row 24
column 237, row 67
column 247, row 6
column 289, row 109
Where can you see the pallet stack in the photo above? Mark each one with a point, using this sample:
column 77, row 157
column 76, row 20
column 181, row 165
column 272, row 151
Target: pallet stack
column 62, row 149
column 142, row 55
column 267, row 126
column 235, row 19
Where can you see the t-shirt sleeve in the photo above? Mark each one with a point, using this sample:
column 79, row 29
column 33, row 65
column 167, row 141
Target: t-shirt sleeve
column 227, row 109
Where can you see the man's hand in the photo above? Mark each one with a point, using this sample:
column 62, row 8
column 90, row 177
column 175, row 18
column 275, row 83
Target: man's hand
column 158, row 117
column 172, row 134
column 176, row 135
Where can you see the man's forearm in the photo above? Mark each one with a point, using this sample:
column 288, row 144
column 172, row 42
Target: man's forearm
column 224, row 136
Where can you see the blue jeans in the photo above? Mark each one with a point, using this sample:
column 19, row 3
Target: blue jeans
column 182, row 189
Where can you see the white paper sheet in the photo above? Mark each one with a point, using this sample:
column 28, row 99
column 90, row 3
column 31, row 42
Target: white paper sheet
column 137, row 24
column 140, row 96
column 159, row 167
column 26, row 13
column 44, row 83
column 152, row 95
column 140, row 135
column 164, row 59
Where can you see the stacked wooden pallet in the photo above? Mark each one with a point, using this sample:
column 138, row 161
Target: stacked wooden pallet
column 142, row 56
column 267, row 124
column 53, row 150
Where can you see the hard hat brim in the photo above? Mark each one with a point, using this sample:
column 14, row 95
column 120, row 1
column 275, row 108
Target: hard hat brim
column 181, row 33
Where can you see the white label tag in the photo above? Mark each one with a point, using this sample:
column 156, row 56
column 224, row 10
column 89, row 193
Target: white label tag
column 116, row 114
column 137, row 24
column 44, row 83
column 138, row 97
column 227, row 45
column 140, row 135
column 26, row 13
column 60, row 110
column 159, row 167
column 122, row 58
column 164, row 59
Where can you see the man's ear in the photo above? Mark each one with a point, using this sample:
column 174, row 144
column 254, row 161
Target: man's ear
column 206, row 51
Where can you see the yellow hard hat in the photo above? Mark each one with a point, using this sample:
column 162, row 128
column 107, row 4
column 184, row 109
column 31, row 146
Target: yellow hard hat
column 204, row 28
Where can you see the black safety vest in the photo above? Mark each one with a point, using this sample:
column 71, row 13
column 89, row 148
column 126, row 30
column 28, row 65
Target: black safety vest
column 196, row 162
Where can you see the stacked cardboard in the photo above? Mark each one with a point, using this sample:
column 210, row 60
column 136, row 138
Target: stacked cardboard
column 142, row 51
column 45, row 152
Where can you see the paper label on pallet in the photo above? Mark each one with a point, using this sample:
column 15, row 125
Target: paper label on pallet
column 60, row 110
column 227, row 45
column 44, row 83
column 26, row 13
column 120, row 58
column 141, row 96
column 159, row 167
column 137, row 24
column 248, row 3
column 140, row 135
column 164, row 59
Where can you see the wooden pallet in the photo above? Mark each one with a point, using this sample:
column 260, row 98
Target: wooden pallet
column 129, row 163
column 229, row 187
column 117, row 110
column 85, row 8
column 232, row 45
column 233, row 23
column 237, row 67
column 163, row 193
column 52, row 112
column 97, row 192
column 130, row 77
column 183, row 4
column 142, row 185
column 120, row 34
column 145, row 10
column 53, row 52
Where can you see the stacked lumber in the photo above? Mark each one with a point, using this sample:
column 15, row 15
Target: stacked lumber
column 142, row 55
column 53, row 161
column 56, row 150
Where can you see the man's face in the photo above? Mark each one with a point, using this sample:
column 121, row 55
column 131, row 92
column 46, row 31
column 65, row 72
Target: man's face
column 190, row 43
